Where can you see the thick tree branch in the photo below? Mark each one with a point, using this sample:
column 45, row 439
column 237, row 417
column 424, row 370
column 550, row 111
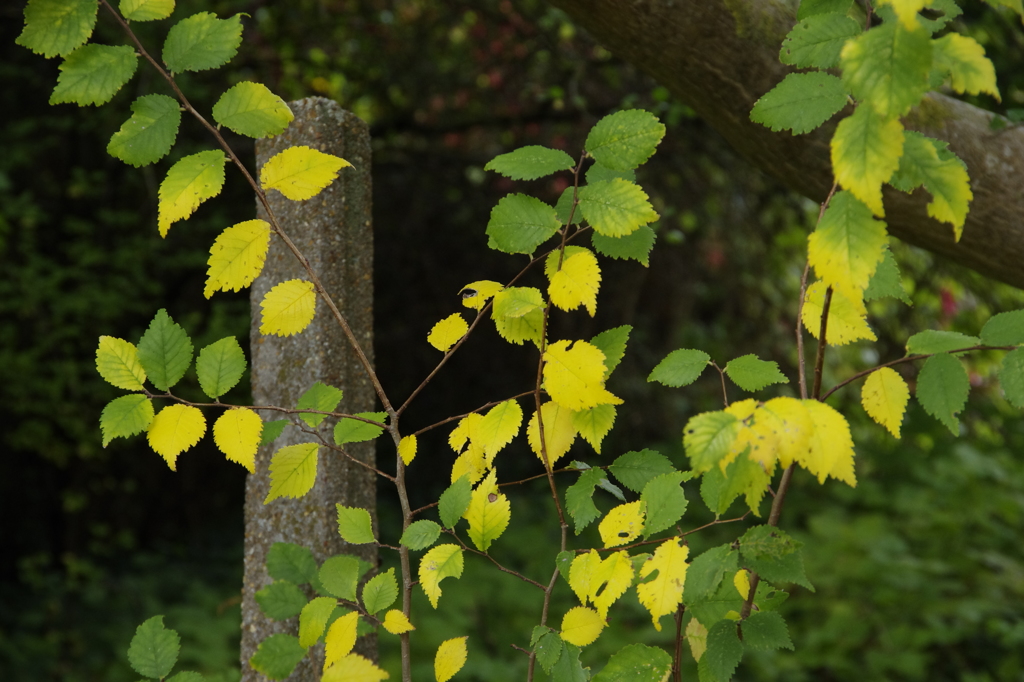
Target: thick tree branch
column 720, row 56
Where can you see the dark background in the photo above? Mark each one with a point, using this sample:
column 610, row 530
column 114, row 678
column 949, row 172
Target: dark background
column 919, row 571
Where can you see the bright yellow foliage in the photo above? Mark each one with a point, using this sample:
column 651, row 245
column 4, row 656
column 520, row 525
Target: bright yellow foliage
column 300, row 173
column 574, row 376
column 465, row 432
column 117, row 361
column 237, row 433
column 354, row 668
column 450, row 658
column 340, row 638
column 847, row 246
column 742, row 582
column 293, row 471
column 793, row 428
column 831, row 452
column 288, row 308
column 584, row 575
column 622, row 524
column 447, row 332
column 559, row 432
column 581, row 626
column 237, row 256
column 189, row 182
column 884, row 397
column 866, row 151
column 588, row 574
column 396, row 622
column 175, row 429
column 755, row 436
column 847, row 319
column 488, row 513
column 442, row 561
column 476, row 294
column 970, row 71
column 499, row 426
column 407, row 449
column 472, row 463
column 578, row 280
column 662, row 595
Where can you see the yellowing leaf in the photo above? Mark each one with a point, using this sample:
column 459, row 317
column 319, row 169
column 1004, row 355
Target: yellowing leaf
column 792, row 426
column 697, row 638
column 488, row 514
column 831, row 452
column 926, row 161
column 866, row 151
column 117, row 361
column 885, row 397
column 616, row 576
column 622, row 524
column 584, row 575
column 499, row 426
column 450, row 658
column 407, row 449
column 576, row 282
column 189, row 182
column 442, row 561
column 237, row 433
column 447, row 332
column 847, row 320
column 175, row 429
column 594, row 424
column 288, row 308
column 476, row 294
column 559, row 432
column 755, row 437
column 516, row 301
column 742, row 582
column 340, row 638
column 300, row 173
column 396, row 622
column 581, row 626
column 354, row 668
column 662, row 595
column 847, row 246
column 472, row 463
column 574, row 377
column 237, row 256
column 970, row 71
column 907, row 11
column 292, row 471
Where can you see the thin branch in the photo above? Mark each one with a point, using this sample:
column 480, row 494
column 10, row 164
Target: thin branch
column 819, row 361
column 477, row 410
column 721, row 375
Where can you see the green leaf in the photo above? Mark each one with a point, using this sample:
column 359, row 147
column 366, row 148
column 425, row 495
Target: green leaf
column 455, row 501
column 926, row 161
column 355, row 431
column 1004, row 329
column 1011, row 377
column 251, row 109
column 752, row 374
column 942, row 388
column 635, row 469
column 93, row 74
column 593, row 424
column 680, row 368
column 886, row 281
column 866, row 152
column 636, row 245
column 380, row 592
column 272, row 429
column 766, row 632
column 718, row 605
column 281, row 600
column 665, row 502
column 165, row 351
column 420, row 534
column 625, row 139
column 313, row 619
column 563, row 207
column 579, row 499
column 340, row 575
column 800, row 102
column 530, row 163
column 943, row 11
column 202, row 41
column 354, row 525
column 706, row 571
column 743, row 476
column 117, row 361
column 616, row 208
column 294, row 563
column 612, row 342
column 636, row 663
column 773, row 555
column 934, row 341
column 186, row 676
column 190, row 181
column 568, row 667
column 125, row 416
column 810, row 8
column 149, row 134
column 888, row 67
column 146, row 10
column 708, row 437
column 817, row 40
column 519, row 224
column 847, row 245
column 277, row 656
column 320, row 397
column 724, row 649
column 154, row 649
column 600, row 173
column 220, row 366
column 549, row 649
column 54, row 28
column 563, row 563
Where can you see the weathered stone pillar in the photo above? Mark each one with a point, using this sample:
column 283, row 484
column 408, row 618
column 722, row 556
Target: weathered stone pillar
column 334, row 231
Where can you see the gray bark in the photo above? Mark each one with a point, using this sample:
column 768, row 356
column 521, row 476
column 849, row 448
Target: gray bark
column 334, row 231
column 720, row 56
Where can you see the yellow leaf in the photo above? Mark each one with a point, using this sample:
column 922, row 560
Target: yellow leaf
column 288, row 308
column 964, row 59
column 293, row 471
column 117, row 361
column 300, row 172
column 697, row 638
column 907, row 11
column 340, row 638
column 237, row 256
column 847, row 320
column 617, row 576
column 755, row 435
column 396, row 622
column 476, row 294
column 450, row 658
column 175, row 429
column 662, row 595
column 447, row 332
column 471, row 463
column 622, row 524
column 594, row 424
column 742, row 582
column 574, row 377
column 885, row 397
column 237, row 433
column 831, row 451
column 847, row 245
column 581, row 626
column 354, row 668
column 792, row 427
column 407, row 449
column 488, row 513
column 559, row 432
column 517, row 330
column 442, row 561
column 465, row 432
column 866, row 151
column 584, row 575
column 499, row 426
column 189, row 182
column 577, row 282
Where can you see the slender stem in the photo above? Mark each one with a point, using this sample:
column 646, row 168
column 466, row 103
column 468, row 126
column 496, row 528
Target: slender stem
column 819, row 361
column 677, row 654
column 800, row 359
column 721, row 375
column 773, row 520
